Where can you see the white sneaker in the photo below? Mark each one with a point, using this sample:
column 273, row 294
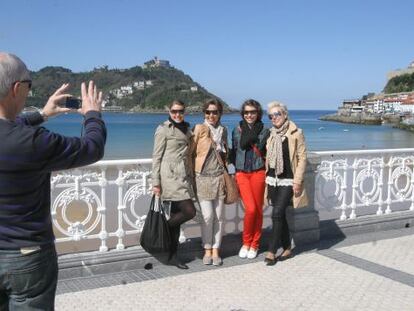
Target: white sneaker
column 243, row 252
column 252, row 253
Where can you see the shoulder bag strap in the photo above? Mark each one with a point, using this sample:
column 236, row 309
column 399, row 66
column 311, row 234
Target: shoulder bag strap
column 220, row 160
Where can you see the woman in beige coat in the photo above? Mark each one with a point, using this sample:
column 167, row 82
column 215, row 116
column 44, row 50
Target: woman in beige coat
column 285, row 170
column 210, row 143
column 172, row 172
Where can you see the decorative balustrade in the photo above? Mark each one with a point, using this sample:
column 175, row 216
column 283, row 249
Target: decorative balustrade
column 106, row 203
column 365, row 182
column 110, row 200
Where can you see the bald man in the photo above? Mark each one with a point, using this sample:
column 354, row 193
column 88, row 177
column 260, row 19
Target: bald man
column 28, row 155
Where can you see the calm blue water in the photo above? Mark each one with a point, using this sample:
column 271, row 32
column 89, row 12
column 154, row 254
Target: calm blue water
column 131, row 135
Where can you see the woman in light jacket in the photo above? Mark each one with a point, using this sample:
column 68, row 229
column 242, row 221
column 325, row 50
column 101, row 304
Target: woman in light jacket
column 248, row 143
column 285, row 170
column 172, row 172
column 210, row 142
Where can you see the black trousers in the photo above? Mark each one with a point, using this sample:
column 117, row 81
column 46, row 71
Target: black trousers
column 281, row 198
column 181, row 212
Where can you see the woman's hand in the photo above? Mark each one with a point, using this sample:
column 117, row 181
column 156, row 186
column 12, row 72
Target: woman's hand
column 156, row 190
column 297, row 189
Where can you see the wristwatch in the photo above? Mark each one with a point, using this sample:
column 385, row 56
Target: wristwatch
column 44, row 116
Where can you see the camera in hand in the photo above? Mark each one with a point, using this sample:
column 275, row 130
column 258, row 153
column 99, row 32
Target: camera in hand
column 73, row 103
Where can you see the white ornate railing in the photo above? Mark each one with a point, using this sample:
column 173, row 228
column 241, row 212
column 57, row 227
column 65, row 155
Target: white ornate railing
column 87, row 201
column 107, row 202
column 365, row 182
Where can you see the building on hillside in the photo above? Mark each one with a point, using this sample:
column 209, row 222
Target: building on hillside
column 357, row 109
column 378, row 106
column 350, row 105
column 407, row 105
column 153, row 63
column 399, row 72
column 392, row 104
column 369, row 105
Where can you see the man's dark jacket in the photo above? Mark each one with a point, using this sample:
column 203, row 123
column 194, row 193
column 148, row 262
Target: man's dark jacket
column 28, row 154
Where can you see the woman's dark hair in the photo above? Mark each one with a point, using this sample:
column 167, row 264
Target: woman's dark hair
column 255, row 104
column 176, row 102
column 214, row 102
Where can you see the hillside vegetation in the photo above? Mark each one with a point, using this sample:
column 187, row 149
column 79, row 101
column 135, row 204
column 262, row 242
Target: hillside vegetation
column 403, row 83
column 133, row 89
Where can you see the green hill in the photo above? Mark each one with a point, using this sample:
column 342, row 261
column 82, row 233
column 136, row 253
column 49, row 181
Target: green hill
column 402, row 83
column 133, row 89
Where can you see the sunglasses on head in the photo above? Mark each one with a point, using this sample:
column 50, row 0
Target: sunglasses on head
column 175, row 111
column 213, row 112
column 274, row 115
column 247, row 112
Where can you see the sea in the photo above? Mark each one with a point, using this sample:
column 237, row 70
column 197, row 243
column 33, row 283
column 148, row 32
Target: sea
column 130, row 135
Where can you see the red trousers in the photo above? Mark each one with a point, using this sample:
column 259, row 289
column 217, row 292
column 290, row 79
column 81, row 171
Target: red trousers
column 252, row 186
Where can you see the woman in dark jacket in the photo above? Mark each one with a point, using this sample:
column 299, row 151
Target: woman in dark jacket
column 249, row 141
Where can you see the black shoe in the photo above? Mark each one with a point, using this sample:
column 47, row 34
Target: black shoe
column 282, row 258
column 270, row 261
column 181, row 265
column 174, row 261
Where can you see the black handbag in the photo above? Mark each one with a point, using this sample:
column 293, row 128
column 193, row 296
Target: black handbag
column 156, row 236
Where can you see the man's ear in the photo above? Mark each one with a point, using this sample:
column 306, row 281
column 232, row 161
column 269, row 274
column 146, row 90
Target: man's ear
column 15, row 89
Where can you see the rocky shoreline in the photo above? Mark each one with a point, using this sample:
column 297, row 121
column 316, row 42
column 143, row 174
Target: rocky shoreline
column 370, row 119
column 354, row 118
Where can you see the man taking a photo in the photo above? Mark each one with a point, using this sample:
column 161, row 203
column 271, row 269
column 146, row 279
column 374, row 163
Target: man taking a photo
column 28, row 155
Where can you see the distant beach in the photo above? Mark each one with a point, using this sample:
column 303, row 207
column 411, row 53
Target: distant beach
column 130, row 135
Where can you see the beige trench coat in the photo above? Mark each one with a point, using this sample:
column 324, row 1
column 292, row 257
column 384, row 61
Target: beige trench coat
column 171, row 162
column 297, row 152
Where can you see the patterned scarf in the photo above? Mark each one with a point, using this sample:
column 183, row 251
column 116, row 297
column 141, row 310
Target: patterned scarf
column 274, row 147
column 216, row 133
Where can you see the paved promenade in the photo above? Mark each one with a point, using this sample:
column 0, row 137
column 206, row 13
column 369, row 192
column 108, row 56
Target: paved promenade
column 370, row 272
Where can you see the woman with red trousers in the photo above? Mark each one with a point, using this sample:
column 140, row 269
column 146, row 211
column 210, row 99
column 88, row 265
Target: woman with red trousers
column 249, row 141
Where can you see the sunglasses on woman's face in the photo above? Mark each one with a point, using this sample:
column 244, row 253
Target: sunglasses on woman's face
column 274, row 115
column 213, row 112
column 247, row 112
column 175, row 111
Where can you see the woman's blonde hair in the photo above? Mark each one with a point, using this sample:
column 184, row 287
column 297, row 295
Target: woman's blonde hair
column 276, row 104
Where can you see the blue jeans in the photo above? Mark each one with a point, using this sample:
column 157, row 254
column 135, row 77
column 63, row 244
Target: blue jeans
column 28, row 282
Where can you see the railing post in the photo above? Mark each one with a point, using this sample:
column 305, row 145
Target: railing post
column 103, row 235
column 354, row 189
column 390, row 166
column 120, row 233
column 380, row 185
column 343, row 189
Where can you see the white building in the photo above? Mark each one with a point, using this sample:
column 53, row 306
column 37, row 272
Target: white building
column 407, row 105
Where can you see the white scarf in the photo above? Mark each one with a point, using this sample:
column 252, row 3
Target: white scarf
column 216, row 134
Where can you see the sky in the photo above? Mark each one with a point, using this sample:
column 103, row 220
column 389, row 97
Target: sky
column 309, row 54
